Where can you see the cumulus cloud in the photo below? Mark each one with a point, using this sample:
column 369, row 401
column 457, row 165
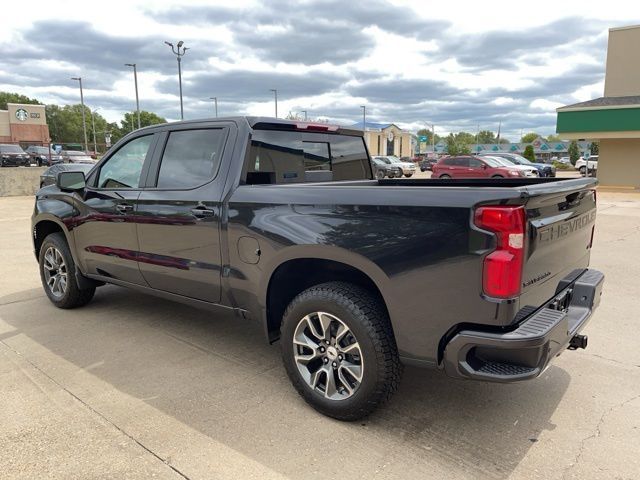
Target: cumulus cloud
column 324, row 56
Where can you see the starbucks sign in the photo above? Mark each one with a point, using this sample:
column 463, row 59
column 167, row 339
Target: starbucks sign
column 22, row 114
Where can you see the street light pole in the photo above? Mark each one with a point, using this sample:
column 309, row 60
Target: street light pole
column 305, row 115
column 275, row 93
column 364, row 117
column 135, row 79
column 93, row 126
column 179, row 55
column 84, row 122
column 215, row 101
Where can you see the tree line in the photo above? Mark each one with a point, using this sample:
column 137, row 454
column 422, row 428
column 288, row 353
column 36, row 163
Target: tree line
column 65, row 122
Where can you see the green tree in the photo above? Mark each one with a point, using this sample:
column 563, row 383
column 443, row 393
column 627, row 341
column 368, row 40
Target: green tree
column 529, row 137
column 456, row 145
column 554, row 138
column 529, row 153
column 129, row 123
column 486, row 136
column 8, row 97
column 574, row 152
column 595, row 148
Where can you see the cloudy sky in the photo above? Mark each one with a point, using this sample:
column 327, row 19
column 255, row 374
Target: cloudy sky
column 455, row 64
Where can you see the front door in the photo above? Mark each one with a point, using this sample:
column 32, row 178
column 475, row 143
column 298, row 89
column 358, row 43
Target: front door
column 180, row 211
column 105, row 231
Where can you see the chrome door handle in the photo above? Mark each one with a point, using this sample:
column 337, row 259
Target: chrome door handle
column 202, row 212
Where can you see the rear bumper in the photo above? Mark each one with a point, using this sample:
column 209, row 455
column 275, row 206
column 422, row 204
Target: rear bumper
column 525, row 352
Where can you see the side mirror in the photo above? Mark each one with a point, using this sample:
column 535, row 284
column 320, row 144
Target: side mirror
column 71, row 181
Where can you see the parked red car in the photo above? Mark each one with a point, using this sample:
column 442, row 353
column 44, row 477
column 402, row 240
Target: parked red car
column 473, row 167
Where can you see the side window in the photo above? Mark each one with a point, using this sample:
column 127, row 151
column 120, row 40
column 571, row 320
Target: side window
column 462, row 162
column 475, row 163
column 191, row 158
column 124, row 167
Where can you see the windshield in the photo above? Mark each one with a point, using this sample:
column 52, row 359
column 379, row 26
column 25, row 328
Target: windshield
column 520, row 160
column 502, row 161
column 43, row 150
column 394, row 159
column 384, row 160
column 492, row 162
column 76, row 154
column 10, row 149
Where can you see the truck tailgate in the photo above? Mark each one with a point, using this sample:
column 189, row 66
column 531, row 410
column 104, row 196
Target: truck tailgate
column 560, row 224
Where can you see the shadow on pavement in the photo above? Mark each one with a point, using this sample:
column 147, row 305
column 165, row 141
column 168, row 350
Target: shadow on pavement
column 218, row 376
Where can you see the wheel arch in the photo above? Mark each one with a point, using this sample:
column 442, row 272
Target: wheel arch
column 305, row 266
column 46, row 224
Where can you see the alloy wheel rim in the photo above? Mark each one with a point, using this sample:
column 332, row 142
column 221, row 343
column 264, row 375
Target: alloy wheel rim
column 328, row 356
column 55, row 272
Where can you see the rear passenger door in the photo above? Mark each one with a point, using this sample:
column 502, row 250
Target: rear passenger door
column 179, row 211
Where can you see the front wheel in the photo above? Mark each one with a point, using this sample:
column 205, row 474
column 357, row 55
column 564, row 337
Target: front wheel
column 583, row 170
column 408, row 175
column 339, row 351
column 380, row 174
column 497, row 176
column 444, row 176
column 58, row 274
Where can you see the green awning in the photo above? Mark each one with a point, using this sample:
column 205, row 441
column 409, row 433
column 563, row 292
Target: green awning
column 610, row 120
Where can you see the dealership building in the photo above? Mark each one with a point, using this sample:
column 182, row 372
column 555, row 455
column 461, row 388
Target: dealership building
column 24, row 124
column 387, row 139
column 614, row 119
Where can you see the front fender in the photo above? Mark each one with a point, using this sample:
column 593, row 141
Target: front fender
column 61, row 213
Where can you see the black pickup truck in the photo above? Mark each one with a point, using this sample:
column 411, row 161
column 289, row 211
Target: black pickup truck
column 284, row 223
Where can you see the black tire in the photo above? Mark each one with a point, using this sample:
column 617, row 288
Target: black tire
column 367, row 319
column 497, row 176
column 380, row 174
column 72, row 296
column 445, row 176
column 409, row 176
column 583, row 171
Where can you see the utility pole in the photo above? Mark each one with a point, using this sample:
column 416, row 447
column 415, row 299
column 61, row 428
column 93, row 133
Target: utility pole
column 433, row 139
column 275, row 93
column 305, row 115
column 84, row 122
column 93, row 125
column 135, row 79
column 215, row 100
column 364, row 117
column 179, row 56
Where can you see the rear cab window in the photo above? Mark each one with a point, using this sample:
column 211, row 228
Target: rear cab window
column 277, row 157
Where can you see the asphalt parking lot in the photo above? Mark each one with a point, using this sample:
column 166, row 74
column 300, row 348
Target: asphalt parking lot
column 132, row 386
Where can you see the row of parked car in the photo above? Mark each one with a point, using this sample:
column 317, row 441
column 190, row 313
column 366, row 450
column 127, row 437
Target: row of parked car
column 494, row 165
column 392, row 167
column 14, row 156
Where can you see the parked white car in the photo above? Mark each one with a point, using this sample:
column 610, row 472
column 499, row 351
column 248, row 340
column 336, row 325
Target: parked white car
column 565, row 160
column 406, row 168
column 590, row 164
column 528, row 171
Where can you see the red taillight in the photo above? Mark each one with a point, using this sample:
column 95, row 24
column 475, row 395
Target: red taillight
column 502, row 272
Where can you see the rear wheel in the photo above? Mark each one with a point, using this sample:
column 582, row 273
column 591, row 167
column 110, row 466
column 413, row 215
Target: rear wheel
column 58, row 274
column 583, row 170
column 380, row 174
column 445, row 176
column 497, row 176
column 409, row 175
column 339, row 351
